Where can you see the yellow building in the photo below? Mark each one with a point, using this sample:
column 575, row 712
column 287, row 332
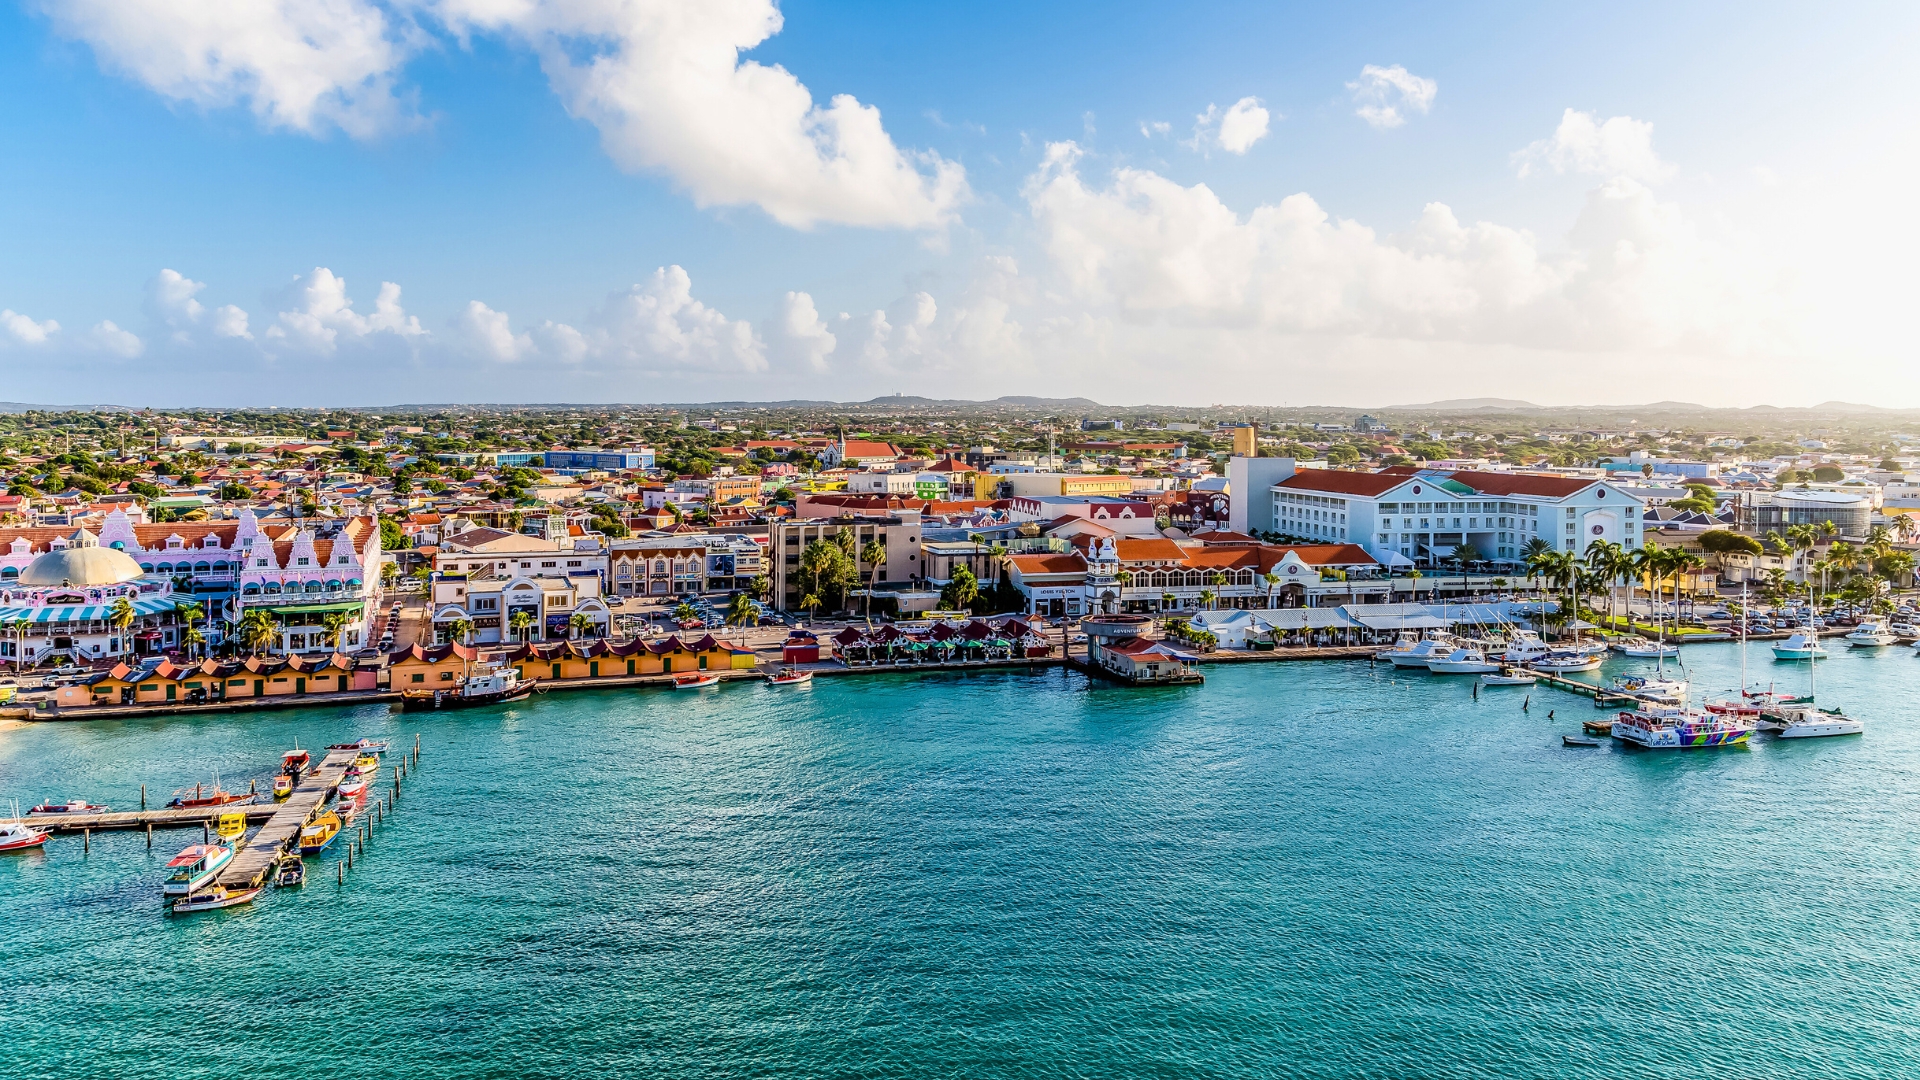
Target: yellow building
column 1244, row 442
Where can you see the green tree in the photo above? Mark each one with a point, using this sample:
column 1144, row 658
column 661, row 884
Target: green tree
column 741, row 611
column 460, row 630
column 827, row 571
column 961, row 591
column 392, row 537
column 333, row 627
column 874, row 554
column 580, row 624
column 520, row 622
column 121, row 617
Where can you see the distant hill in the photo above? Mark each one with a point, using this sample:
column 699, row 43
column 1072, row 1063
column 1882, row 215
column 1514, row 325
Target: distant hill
column 1472, row 403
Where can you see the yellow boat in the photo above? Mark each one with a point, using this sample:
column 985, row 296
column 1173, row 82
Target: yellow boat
column 368, row 764
column 317, row 835
column 282, row 786
column 231, row 828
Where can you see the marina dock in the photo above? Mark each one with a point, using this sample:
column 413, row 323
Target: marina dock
column 252, row 863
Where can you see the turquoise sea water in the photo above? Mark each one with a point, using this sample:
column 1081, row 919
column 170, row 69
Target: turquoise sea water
column 1316, row 870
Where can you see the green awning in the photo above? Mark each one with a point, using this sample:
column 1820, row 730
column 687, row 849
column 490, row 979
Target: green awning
column 309, row 609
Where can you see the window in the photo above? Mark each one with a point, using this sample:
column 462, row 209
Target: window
column 549, row 564
column 446, row 676
column 302, row 561
column 573, row 562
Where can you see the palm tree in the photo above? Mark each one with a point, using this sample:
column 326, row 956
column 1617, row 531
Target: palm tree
column 1272, row 579
column 873, row 555
column 334, row 626
column 191, row 612
column 520, row 622
column 1167, row 600
column 122, row 617
column 459, row 630
column 257, row 630
column 580, row 624
column 18, row 628
column 193, row 639
column 812, row 604
column 1207, row 598
column 741, row 611
column 1905, row 528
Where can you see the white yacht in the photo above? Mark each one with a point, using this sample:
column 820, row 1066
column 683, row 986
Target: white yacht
column 1464, row 661
column 1807, row 722
column 1666, row 691
column 1569, row 659
column 1800, row 646
column 1523, row 647
column 1637, row 646
column 1871, row 634
column 1416, row 654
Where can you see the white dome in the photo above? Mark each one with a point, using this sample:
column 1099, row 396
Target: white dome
column 81, row 563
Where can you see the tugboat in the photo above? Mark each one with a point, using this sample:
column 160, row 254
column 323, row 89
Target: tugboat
column 495, row 684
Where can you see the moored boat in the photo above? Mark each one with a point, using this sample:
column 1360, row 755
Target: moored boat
column 695, row 682
column 352, row 786
column 231, row 828
column 1507, row 678
column 1523, row 647
column 371, row 746
column 1636, row 646
column 290, row 872
column 318, row 833
column 1408, row 652
column 790, row 677
column 201, row 797
column 496, row 684
column 1463, row 661
column 1659, row 727
column 1560, row 661
column 282, row 787
column 1871, row 634
column 196, row 865
column 1807, row 722
column 19, row 836
column 1801, row 645
column 218, row 896
column 1666, row 691
column 71, row 806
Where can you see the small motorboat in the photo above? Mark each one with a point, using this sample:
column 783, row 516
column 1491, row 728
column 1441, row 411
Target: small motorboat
column 352, row 786
column 368, row 765
column 1508, row 678
column 282, row 787
column 790, row 677
column 1800, row 646
column 1665, row 691
column 19, row 836
column 1871, row 634
column 290, row 872
column 1463, row 661
column 1578, row 740
column 371, row 746
column 695, row 682
column 231, row 828
column 318, row 833
column 219, row 896
column 71, row 806
column 295, row 761
column 204, row 798
column 195, row 866
column 1561, row 661
column 1636, row 646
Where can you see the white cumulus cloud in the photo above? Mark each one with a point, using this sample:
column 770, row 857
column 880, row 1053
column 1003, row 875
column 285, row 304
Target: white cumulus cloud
column 110, row 339
column 658, row 324
column 1234, row 129
column 23, row 330
column 1583, row 143
column 798, row 336
column 1634, row 273
column 662, row 79
column 301, row 64
column 1386, row 94
column 324, row 317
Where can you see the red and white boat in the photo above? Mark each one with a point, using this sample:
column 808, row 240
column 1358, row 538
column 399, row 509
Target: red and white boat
column 695, row 682
column 19, row 836
column 71, row 806
column 790, row 677
column 219, row 896
column 353, row 785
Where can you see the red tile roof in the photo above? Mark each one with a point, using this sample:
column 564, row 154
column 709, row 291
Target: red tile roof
column 1502, row 483
column 1343, row 483
column 1048, row 564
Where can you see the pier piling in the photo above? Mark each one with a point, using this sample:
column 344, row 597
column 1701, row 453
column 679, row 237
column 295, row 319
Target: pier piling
column 340, row 873
column 86, row 841
column 143, row 796
column 149, row 836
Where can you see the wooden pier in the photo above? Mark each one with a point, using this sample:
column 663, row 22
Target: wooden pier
column 253, row 862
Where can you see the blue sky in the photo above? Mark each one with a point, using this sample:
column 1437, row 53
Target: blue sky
column 1704, row 202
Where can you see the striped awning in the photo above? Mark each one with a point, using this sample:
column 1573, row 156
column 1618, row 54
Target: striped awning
column 152, row 605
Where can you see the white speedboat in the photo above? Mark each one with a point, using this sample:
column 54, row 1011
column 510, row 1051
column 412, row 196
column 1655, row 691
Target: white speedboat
column 1463, row 661
column 1561, row 661
column 1636, row 646
column 1872, row 634
column 1504, row 679
column 1807, row 722
column 1671, row 691
column 1800, row 646
column 1417, row 654
column 19, row 836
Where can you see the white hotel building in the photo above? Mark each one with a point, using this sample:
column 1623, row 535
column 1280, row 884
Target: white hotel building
column 1404, row 515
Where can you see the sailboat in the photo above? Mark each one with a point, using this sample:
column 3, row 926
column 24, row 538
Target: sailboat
column 1804, row 720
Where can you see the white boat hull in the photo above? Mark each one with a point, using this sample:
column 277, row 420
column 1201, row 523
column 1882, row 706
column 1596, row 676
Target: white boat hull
column 1463, row 667
column 1507, row 680
column 1820, row 729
